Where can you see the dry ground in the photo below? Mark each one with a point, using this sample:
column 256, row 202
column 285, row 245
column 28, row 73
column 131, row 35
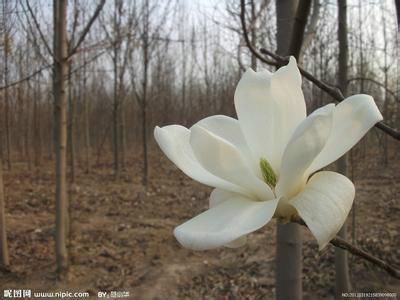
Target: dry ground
column 121, row 237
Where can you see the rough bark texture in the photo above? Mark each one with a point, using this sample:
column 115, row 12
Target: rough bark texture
column 60, row 111
column 289, row 240
column 341, row 258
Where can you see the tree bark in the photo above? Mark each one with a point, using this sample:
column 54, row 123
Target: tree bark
column 289, row 262
column 342, row 278
column 86, row 128
column 146, row 60
column 4, row 258
column 60, row 112
column 7, row 49
column 71, row 123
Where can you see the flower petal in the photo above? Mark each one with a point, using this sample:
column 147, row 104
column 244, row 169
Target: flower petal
column 324, row 204
column 227, row 222
column 306, row 143
column 217, row 197
column 352, row 118
column 174, row 142
column 223, row 159
column 269, row 108
column 229, row 129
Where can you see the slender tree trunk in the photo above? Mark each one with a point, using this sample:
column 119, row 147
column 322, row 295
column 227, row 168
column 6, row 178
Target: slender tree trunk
column 253, row 34
column 37, row 137
column 341, row 260
column 71, row 122
column 86, row 119
column 60, row 112
column 6, row 93
column 4, row 258
column 289, row 262
column 116, row 108
column 116, row 121
column 144, row 125
column 146, row 61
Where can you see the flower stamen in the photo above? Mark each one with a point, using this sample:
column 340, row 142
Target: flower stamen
column 268, row 173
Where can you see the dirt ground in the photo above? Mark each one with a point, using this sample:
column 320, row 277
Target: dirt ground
column 121, row 237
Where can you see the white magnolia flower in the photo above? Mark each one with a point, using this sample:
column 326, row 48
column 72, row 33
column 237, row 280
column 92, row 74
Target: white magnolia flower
column 262, row 165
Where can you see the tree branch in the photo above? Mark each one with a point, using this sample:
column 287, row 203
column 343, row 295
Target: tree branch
column 392, row 93
column 247, row 39
column 345, row 245
column 334, row 92
column 38, row 28
column 87, row 28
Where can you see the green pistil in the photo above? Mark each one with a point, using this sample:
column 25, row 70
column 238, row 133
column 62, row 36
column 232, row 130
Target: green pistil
column 268, row 173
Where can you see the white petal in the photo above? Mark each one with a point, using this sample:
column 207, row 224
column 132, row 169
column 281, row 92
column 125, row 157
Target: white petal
column 324, row 204
column 225, row 223
column 269, row 107
column 306, row 143
column 174, row 142
column 217, row 197
column 352, row 118
column 229, row 129
column 224, row 160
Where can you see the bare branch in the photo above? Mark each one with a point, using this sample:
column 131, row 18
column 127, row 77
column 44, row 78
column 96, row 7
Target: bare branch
column 253, row 50
column 87, row 28
column 38, row 28
column 377, row 83
column 345, row 245
column 334, row 92
column 26, row 77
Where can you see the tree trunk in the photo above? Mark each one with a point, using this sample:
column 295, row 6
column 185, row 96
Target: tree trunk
column 289, row 241
column 4, row 258
column 144, row 97
column 116, row 108
column 341, row 260
column 71, row 122
column 60, row 112
column 37, row 138
column 86, row 119
column 7, row 46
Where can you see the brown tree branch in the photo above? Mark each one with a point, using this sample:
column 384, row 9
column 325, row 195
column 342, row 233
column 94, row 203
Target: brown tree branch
column 392, row 93
column 334, row 92
column 38, row 28
column 337, row 95
column 345, row 245
column 87, row 28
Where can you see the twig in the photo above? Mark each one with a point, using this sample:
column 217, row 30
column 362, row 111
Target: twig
column 38, row 28
column 337, row 95
column 377, row 83
column 87, row 28
column 26, row 77
column 334, row 92
column 345, row 245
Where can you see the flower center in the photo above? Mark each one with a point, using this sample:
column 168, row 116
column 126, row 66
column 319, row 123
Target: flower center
column 268, row 173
